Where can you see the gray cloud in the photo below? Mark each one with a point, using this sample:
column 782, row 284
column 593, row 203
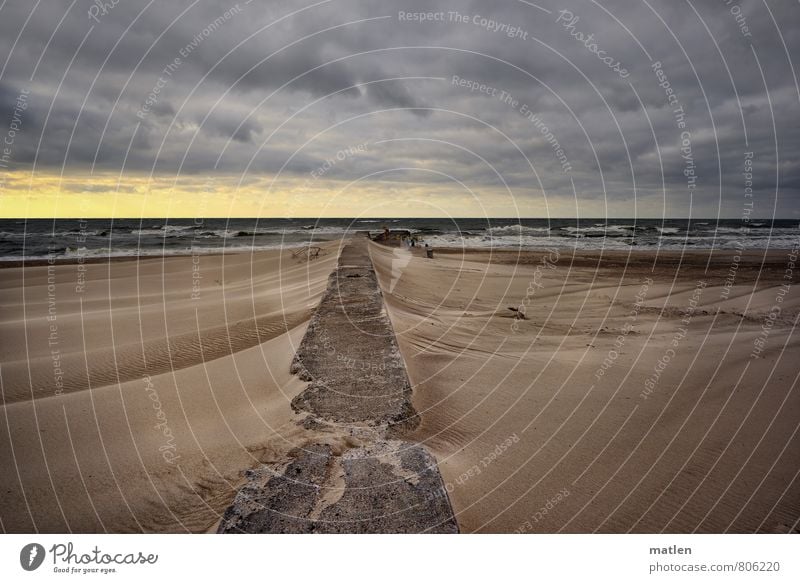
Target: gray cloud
column 212, row 86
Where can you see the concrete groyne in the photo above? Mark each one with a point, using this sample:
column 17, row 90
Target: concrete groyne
column 357, row 382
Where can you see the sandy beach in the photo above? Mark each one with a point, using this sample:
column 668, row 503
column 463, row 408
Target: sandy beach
column 171, row 377
column 623, row 392
column 630, row 399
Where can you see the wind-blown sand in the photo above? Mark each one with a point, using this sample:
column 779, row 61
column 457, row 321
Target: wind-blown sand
column 160, row 441
column 531, row 432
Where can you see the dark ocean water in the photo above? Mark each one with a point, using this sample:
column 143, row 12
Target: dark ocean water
column 35, row 239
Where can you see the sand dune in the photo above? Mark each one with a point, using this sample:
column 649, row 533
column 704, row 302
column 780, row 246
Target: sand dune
column 143, row 398
column 534, row 434
column 185, row 393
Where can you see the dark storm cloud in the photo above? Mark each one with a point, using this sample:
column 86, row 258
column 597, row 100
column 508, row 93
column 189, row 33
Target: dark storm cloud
column 219, row 86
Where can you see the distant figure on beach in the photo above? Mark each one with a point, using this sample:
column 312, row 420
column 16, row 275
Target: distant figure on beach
column 428, row 251
column 413, row 241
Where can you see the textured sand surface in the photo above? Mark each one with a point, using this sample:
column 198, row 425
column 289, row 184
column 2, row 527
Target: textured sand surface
column 531, row 431
column 531, row 436
column 185, row 393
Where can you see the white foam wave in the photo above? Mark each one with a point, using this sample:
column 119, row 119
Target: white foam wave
column 517, row 230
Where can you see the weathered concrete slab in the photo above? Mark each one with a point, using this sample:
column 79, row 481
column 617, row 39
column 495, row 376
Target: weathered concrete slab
column 358, row 384
column 350, row 352
column 389, row 487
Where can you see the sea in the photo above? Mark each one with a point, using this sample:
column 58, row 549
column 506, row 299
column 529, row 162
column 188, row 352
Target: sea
column 73, row 238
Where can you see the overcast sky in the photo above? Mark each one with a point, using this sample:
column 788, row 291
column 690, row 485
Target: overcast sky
column 348, row 107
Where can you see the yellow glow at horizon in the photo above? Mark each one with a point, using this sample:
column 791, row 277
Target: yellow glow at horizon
column 107, row 195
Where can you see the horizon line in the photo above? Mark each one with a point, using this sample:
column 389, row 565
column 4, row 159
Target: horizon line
column 167, row 218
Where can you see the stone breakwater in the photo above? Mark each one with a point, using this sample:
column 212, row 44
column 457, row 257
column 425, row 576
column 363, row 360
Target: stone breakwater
column 357, row 384
column 350, row 354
